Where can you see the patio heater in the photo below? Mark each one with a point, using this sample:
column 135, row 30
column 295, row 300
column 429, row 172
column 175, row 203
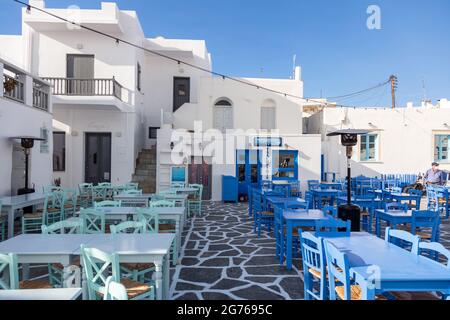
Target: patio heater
column 349, row 139
column 27, row 144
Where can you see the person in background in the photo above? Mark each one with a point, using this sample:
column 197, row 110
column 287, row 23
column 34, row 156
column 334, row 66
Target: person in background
column 434, row 176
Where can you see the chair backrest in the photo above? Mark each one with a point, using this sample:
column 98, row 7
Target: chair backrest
column 394, row 206
column 114, row 290
column 47, row 189
column 98, row 266
column 73, row 226
column 168, row 192
column 313, row 255
column 309, row 198
column 108, row 204
column 330, row 210
column 177, row 184
column 58, row 198
column 313, row 184
column 99, row 192
column 132, row 186
column 85, row 188
column 434, row 251
column 333, row 228
column 93, row 221
column 415, row 192
column 296, row 205
column 338, row 269
column 402, row 239
column 151, row 217
column 133, row 192
column 426, row 219
column 105, row 184
column 162, row 204
column 129, row 227
column 8, row 265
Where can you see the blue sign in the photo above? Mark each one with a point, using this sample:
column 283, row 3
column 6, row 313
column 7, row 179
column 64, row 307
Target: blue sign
column 178, row 174
column 268, row 142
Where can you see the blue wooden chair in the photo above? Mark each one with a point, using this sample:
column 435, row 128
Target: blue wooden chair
column 313, row 184
column 396, row 206
column 261, row 216
column 418, row 194
column 93, row 221
column 280, row 231
column 426, row 224
column 295, row 189
column 331, row 211
column 333, row 228
column 114, row 290
column 55, row 270
column 314, row 267
column 99, row 265
column 340, row 284
column 309, row 198
column 9, row 275
column 108, row 204
column 295, row 205
column 402, row 239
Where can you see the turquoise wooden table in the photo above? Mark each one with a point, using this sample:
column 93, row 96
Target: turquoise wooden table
column 299, row 218
column 379, row 266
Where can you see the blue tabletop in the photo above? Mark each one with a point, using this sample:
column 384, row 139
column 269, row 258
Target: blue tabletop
column 395, row 263
column 275, row 199
column 396, row 213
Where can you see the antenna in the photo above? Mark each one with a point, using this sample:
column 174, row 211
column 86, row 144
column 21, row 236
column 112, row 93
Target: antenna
column 424, row 90
column 294, row 62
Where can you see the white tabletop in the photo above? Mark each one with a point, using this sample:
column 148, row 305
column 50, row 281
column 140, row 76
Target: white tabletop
column 22, row 199
column 133, row 210
column 41, row 294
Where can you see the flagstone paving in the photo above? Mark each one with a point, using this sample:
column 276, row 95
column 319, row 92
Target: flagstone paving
column 223, row 259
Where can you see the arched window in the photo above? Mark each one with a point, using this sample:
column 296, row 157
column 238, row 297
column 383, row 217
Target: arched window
column 268, row 114
column 223, row 114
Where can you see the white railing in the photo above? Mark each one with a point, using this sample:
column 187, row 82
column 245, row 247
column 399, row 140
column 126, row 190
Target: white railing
column 13, row 88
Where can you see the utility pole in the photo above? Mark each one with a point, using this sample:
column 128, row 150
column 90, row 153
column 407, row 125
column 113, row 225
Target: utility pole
column 394, row 84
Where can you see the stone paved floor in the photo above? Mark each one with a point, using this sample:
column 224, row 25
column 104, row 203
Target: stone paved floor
column 223, row 259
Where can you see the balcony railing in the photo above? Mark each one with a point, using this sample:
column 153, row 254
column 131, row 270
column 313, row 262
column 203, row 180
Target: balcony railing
column 16, row 91
column 86, row 87
column 40, row 96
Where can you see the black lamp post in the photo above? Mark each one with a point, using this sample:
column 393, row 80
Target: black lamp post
column 27, row 144
column 349, row 139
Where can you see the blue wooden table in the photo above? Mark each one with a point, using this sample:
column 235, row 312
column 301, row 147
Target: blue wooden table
column 299, row 218
column 274, row 200
column 331, row 185
column 378, row 266
column 392, row 217
column 320, row 194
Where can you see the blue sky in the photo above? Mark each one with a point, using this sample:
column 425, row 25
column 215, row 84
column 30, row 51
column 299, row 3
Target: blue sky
column 338, row 53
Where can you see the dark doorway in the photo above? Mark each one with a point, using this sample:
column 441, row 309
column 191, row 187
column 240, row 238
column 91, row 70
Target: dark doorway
column 201, row 174
column 80, row 74
column 181, row 92
column 98, row 157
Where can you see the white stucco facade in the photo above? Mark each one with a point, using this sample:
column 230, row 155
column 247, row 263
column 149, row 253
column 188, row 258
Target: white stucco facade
column 405, row 142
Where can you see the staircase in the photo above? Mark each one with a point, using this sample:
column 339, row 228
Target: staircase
column 145, row 172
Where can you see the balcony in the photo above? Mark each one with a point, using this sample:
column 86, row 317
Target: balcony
column 19, row 86
column 86, row 87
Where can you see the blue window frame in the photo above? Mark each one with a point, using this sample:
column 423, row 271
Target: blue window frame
column 369, row 147
column 441, row 150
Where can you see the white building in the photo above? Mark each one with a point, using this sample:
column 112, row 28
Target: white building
column 110, row 98
column 25, row 110
column 402, row 141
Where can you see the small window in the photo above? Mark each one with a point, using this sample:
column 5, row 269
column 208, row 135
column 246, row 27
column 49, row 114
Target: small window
column 441, row 148
column 153, row 132
column 59, row 151
column 369, row 147
column 181, row 90
column 139, row 74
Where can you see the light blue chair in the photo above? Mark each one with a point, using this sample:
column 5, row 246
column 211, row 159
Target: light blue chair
column 55, row 270
column 93, row 221
column 340, row 283
column 99, row 193
column 151, row 219
column 162, row 204
column 51, row 213
column 114, row 290
column 314, row 267
column 86, row 192
column 402, row 239
column 2, row 225
column 70, row 203
column 99, row 265
column 194, row 203
column 9, row 275
column 129, row 227
column 132, row 186
column 108, row 204
column 133, row 192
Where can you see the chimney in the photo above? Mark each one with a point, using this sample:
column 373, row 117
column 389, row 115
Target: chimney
column 37, row 3
column 409, row 104
column 298, row 73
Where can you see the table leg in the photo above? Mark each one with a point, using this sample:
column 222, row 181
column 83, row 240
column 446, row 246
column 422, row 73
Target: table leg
column 178, row 235
column 377, row 225
column 26, row 271
column 166, row 277
column 288, row 246
column 159, row 279
column 10, row 223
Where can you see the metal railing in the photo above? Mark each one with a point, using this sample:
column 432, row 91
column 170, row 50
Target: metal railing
column 40, row 97
column 85, row 87
column 17, row 92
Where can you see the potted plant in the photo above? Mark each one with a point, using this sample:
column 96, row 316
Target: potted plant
column 9, row 84
column 57, row 182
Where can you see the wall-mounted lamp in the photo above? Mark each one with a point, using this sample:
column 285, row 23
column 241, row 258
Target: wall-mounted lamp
column 446, row 125
column 172, row 145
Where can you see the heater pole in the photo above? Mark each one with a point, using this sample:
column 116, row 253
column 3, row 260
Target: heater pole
column 27, row 155
column 349, row 182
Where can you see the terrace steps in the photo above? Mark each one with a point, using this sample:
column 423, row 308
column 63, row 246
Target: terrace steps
column 145, row 170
